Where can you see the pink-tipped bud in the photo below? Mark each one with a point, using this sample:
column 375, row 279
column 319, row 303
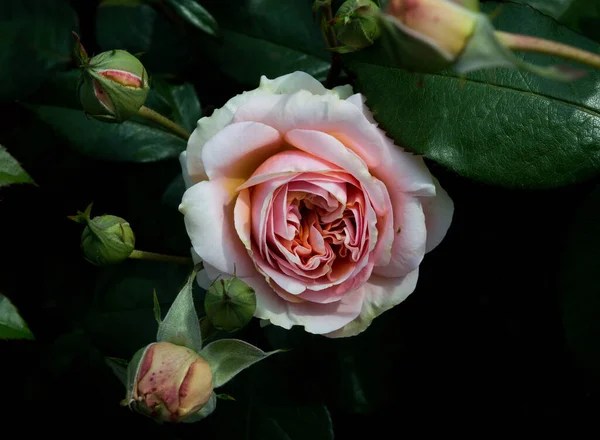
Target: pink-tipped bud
column 441, row 23
column 172, row 382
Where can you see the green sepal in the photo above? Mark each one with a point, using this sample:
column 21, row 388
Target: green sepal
column 181, row 325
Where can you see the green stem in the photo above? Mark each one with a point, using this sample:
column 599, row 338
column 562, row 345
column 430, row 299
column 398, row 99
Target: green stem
column 326, row 16
column 152, row 256
column 525, row 43
column 153, row 116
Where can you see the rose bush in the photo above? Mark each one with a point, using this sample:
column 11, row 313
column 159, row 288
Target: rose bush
column 296, row 189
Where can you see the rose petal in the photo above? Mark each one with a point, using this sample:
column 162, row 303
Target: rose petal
column 380, row 294
column 439, row 211
column 238, row 149
column 208, row 209
column 408, row 248
column 316, row 318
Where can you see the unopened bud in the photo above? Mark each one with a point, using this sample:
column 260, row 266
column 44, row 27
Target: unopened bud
column 114, row 86
column 356, row 25
column 172, row 383
column 106, row 239
column 230, row 304
column 443, row 24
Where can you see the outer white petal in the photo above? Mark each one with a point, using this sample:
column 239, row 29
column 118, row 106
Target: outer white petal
column 408, row 248
column 315, row 318
column 380, row 294
column 238, row 149
column 208, row 209
column 209, row 126
column 399, row 170
column 439, row 211
column 187, row 179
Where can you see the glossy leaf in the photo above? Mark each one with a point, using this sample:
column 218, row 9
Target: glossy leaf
column 135, row 140
column 143, row 30
column 11, row 171
column 580, row 284
column 194, row 14
column 12, row 326
column 266, row 37
column 500, row 126
column 183, row 102
column 35, row 41
column 580, row 15
column 119, row 368
column 122, row 319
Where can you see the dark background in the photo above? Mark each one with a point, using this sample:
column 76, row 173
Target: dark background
column 486, row 339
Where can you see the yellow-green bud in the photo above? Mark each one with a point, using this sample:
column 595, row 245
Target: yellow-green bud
column 230, row 304
column 106, row 239
column 356, row 25
column 443, row 24
column 114, row 86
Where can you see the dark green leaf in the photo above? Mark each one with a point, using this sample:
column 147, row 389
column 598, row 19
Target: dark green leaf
column 35, row 41
column 119, row 368
column 122, row 319
column 580, row 15
column 499, row 126
column 141, row 29
column 12, row 325
column 194, row 14
column 132, row 141
column 267, row 37
column 581, row 287
column 183, row 102
column 298, row 422
column 10, row 170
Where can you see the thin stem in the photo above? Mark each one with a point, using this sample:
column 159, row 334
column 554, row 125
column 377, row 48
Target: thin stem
column 152, row 256
column 151, row 115
column 526, row 43
column 331, row 42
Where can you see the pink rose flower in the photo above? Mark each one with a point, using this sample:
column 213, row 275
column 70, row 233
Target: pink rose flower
column 295, row 188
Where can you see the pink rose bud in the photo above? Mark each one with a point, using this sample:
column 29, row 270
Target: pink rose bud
column 172, row 382
column 443, row 23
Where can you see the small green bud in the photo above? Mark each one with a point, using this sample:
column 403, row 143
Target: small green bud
column 356, row 25
column 106, row 239
column 230, row 304
column 114, row 86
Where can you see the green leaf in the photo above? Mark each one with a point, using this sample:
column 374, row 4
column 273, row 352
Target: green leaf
column 580, row 284
column 35, row 41
column 266, row 37
column 119, row 368
column 12, row 326
column 580, row 15
column 181, row 325
column 228, row 357
column 183, row 102
column 195, row 14
column 10, row 170
column 135, row 140
column 122, row 319
column 298, row 422
column 500, row 126
column 141, row 29
column 157, row 314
